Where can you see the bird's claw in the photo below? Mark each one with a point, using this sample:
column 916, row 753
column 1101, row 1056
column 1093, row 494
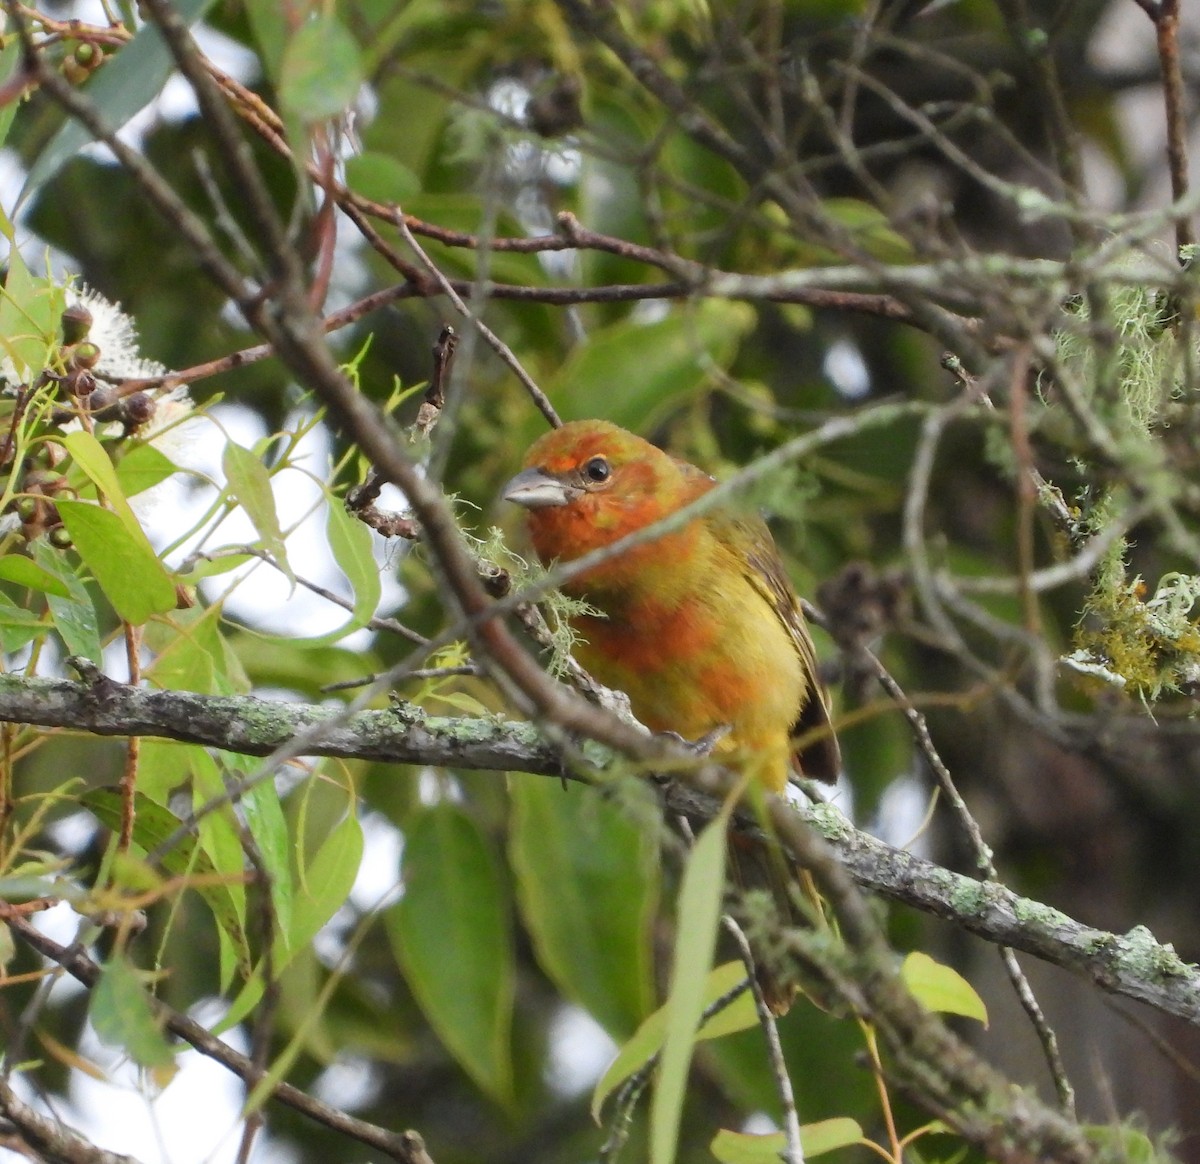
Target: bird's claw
column 705, row 744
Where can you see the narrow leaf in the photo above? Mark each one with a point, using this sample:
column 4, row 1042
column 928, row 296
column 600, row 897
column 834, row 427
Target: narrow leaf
column 130, row 79
column 143, row 467
column 268, row 826
column 327, row 881
column 30, row 308
column 815, row 1138
column 739, row 1015
column 153, row 824
column 587, row 884
column 122, row 1015
column 452, row 935
column 269, row 24
column 18, row 626
column 74, row 616
column 22, row 571
column 699, row 911
column 250, row 483
column 350, row 543
column 10, row 59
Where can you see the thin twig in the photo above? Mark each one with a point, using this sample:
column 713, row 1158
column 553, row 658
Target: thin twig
column 770, row 1029
column 983, row 860
column 540, row 399
column 1165, row 14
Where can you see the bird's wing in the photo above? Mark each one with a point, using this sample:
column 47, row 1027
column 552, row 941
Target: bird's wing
column 820, row 758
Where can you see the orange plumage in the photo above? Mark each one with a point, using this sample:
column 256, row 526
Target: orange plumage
column 699, row 627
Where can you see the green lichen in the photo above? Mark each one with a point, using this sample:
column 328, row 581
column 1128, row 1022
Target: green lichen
column 1149, row 959
column 829, row 821
column 1148, row 645
column 1127, row 367
column 1141, row 359
column 558, row 608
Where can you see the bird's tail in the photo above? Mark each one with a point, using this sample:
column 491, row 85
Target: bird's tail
column 789, row 900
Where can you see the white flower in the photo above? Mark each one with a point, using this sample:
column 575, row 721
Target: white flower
column 115, row 334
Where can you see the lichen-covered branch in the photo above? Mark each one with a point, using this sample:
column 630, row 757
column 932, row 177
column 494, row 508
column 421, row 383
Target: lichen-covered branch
column 1133, row 965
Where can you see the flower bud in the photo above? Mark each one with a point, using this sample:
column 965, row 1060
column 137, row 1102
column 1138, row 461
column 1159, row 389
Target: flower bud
column 137, row 409
column 85, row 355
column 76, row 323
column 103, row 399
column 81, row 382
column 88, row 55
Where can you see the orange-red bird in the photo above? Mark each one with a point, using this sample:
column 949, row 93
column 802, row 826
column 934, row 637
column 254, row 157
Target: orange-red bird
column 699, row 627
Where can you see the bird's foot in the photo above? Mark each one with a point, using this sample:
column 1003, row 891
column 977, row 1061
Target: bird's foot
column 705, row 744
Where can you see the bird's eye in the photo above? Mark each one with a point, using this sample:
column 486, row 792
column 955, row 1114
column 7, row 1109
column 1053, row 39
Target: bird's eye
column 597, row 469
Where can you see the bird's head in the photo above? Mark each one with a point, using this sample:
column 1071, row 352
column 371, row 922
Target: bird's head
column 590, row 482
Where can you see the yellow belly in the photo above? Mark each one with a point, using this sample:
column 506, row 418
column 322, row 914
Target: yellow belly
column 708, row 662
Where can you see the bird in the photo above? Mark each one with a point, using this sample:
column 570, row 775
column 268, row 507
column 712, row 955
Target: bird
column 699, row 627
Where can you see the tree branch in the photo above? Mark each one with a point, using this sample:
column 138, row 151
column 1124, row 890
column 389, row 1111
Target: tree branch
column 1133, row 965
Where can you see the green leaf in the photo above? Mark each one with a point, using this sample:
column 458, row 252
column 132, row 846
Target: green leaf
column 320, row 73
column 268, row 826
column 128, row 82
column 587, row 884
column 327, row 881
column 30, row 310
column 250, row 484
column 217, row 566
column 124, row 564
column 152, row 825
column 220, row 836
column 381, row 178
column 269, row 24
column 17, row 625
column 698, row 912
column 164, row 766
column 1121, row 1142
column 452, row 935
column 632, row 372
column 121, row 1013
column 75, row 616
column 870, row 229
column 191, row 654
column 22, row 571
column 647, row 1040
column 815, row 1138
column 941, row 988
column 350, row 543
column 10, row 60
column 93, row 458
column 26, row 888
column 143, row 467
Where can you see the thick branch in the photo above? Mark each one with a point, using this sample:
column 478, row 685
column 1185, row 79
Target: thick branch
column 1133, row 965
column 256, row 727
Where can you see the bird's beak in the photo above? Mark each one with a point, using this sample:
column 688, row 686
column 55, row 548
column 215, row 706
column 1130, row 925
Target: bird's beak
column 536, row 489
